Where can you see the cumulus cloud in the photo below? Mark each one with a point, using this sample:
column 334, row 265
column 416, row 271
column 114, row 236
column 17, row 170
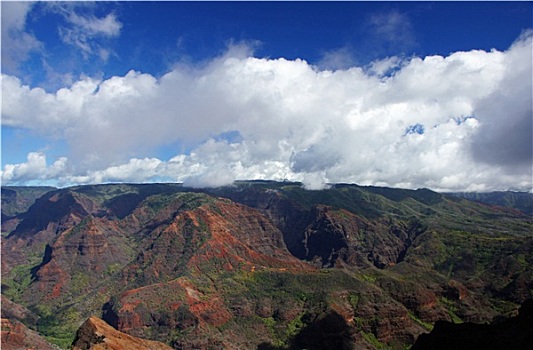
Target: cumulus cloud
column 34, row 169
column 135, row 170
column 506, row 134
column 419, row 122
column 385, row 67
column 17, row 44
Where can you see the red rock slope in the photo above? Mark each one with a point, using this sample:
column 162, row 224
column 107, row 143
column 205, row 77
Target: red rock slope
column 95, row 334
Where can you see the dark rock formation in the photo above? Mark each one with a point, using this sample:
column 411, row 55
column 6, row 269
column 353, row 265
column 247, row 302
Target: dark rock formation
column 514, row 333
column 328, row 332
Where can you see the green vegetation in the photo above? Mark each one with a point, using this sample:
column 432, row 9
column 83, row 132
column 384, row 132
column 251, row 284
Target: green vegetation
column 294, row 326
column 58, row 326
column 452, row 309
column 372, row 340
column 474, row 253
column 517, row 200
column 368, row 278
column 111, row 269
column 283, row 332
column 354, row 300
column 14, row 287
column 17, row 281
column 426, row 325
column 79, row 283
column 306, row 287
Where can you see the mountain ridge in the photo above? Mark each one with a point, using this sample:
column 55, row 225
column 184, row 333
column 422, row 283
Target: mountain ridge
column 522, row 201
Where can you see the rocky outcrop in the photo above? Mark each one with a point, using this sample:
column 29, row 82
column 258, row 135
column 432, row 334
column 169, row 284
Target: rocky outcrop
column 16, row 336
column 95, row 334
column 18, row 312
column 513, row 333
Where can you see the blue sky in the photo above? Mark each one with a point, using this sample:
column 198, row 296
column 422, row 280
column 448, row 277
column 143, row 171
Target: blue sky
column 155, row 35
column 210, row 92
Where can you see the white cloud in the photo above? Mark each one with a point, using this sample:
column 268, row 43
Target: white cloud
column 135, row 170
column 34, row 108
column 17, row 44
column 506, row 133
column 92, row 26
column 296, row 122
column 34, row 169
column 385, row 67
column 392, row 30
column 337, row 59
column 84, row 30
column 392, row 25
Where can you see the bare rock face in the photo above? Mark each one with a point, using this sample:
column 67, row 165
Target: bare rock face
column 326, row 234
column 95, row 334
column 14, row 335
column 213, row 239
column 79, row 257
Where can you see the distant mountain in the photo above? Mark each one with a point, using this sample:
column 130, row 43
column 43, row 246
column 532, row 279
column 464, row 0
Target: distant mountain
column 16, row 199
column 262, row 264
column 522, row 201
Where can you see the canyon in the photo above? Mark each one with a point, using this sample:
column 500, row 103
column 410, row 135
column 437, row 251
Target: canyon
column 257, row 265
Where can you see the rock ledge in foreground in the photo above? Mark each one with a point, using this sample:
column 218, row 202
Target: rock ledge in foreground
column 95, row 334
